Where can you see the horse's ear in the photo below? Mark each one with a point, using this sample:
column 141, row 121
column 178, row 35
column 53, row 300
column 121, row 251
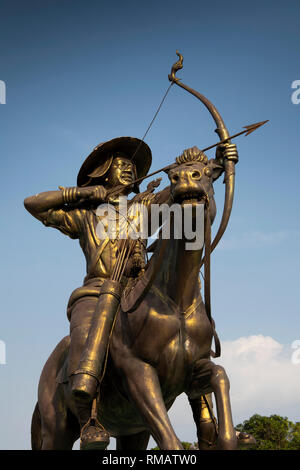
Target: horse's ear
column 216, row 168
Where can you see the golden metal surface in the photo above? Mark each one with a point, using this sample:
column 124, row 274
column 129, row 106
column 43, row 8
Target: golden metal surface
column 159, row 349
column 140, row 333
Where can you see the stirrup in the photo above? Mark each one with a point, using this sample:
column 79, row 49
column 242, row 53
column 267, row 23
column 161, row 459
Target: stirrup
column 93, row 436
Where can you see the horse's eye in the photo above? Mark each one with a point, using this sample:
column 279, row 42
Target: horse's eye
column 196, row 175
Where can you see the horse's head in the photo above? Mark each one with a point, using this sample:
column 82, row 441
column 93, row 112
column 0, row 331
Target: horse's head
column 192, row 176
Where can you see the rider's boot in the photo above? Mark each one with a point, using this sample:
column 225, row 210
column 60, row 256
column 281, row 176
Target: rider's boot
column 93, row 436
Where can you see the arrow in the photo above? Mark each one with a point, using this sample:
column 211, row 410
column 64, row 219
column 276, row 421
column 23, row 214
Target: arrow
column 248, row 130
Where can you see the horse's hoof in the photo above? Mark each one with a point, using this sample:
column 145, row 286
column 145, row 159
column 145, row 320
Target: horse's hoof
column 94, row 438
column 246, row 440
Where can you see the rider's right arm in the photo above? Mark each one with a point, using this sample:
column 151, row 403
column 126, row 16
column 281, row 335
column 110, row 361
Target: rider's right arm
column 39, row 204
column 50, row 209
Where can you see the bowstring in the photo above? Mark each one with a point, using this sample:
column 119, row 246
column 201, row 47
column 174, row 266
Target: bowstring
column 148, row 129
column 153, row 119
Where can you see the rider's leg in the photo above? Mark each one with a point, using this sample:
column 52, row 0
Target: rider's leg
column 91, row 367
column 80, row 322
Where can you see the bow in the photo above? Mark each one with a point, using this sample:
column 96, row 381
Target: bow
column 229, row 168
column 221, row 130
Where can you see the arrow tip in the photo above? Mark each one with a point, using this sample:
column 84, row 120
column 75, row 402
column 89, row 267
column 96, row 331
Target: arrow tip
column 255, row 126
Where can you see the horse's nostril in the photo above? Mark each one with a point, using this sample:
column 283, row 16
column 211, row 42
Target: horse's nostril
column 196, row 175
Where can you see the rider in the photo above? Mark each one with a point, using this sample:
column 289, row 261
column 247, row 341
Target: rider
column 112, row 164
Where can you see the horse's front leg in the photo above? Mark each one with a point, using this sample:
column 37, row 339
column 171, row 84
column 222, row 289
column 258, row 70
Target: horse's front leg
column 219, row 382
column 145, row 392
column 209, row 377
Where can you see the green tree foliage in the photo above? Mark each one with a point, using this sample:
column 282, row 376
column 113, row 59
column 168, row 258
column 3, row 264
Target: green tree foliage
column 273, row 432
column 295, row 437
column 187, row 445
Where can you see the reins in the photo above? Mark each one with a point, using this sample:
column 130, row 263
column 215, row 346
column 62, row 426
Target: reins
column 206, row 260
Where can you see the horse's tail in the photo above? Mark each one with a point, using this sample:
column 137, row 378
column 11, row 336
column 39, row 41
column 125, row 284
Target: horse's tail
column 36, row 429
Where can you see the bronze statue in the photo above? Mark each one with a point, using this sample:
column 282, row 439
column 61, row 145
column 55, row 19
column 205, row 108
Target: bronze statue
column 140, row 333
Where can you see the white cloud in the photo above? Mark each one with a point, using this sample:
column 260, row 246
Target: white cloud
column 263, row 380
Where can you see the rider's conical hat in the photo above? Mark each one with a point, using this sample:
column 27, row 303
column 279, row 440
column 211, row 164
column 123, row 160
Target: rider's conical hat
column 98, row 162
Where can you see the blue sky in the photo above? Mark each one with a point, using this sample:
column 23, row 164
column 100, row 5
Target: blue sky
column 78, row 73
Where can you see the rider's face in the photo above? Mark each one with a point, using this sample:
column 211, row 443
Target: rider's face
column 121, row 172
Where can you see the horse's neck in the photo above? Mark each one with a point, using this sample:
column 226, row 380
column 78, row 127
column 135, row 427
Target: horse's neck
column 178, row 276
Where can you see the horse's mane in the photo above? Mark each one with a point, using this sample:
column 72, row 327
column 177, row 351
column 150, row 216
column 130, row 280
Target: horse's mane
column 192, row 155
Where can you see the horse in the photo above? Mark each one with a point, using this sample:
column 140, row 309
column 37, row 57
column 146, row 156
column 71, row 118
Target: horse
column 160, row 346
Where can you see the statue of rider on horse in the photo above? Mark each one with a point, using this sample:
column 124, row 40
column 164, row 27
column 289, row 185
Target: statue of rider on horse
column 140, row 333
